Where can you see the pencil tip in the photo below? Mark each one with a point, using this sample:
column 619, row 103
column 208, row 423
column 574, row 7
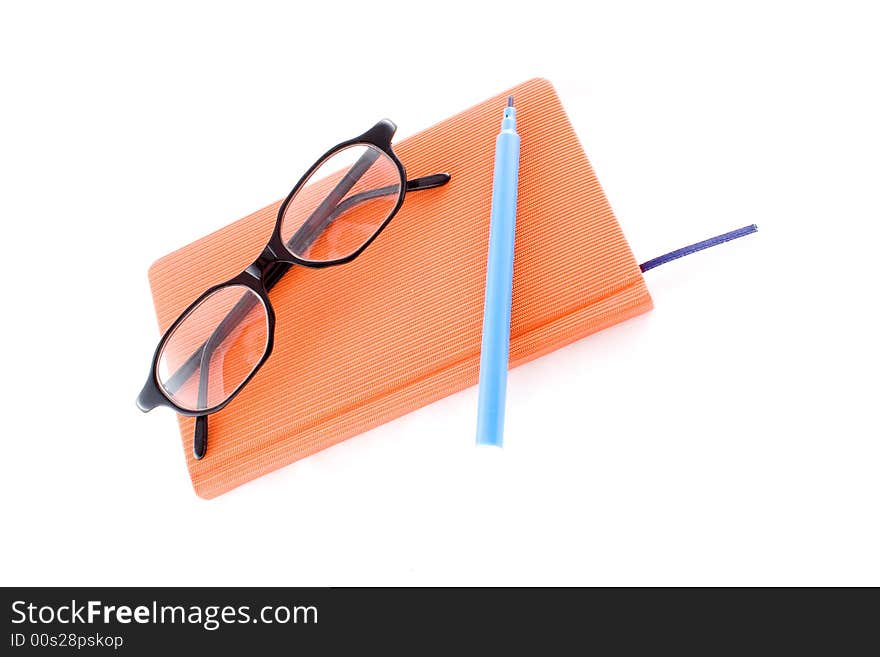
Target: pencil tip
column 510, row 101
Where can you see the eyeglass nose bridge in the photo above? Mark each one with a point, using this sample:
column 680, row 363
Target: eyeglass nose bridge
column 261, row 265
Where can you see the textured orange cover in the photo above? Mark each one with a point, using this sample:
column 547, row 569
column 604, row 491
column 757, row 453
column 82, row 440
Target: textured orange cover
column 399, row 327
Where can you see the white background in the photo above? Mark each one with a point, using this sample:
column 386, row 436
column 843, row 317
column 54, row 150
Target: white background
column 728, row 437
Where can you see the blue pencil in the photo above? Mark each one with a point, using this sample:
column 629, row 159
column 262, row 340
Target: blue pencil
column 499, row 284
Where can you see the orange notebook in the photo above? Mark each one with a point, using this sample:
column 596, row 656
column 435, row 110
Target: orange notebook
column 399, row 327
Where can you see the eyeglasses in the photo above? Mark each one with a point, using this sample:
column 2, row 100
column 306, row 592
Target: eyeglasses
column 332, row 214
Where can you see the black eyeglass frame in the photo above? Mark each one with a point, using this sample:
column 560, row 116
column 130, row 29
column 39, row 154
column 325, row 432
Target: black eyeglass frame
column 274, row 261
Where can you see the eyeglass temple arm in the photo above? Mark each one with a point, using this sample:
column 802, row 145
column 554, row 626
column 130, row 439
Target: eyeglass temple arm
column 427, row 182
column 229, row 323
